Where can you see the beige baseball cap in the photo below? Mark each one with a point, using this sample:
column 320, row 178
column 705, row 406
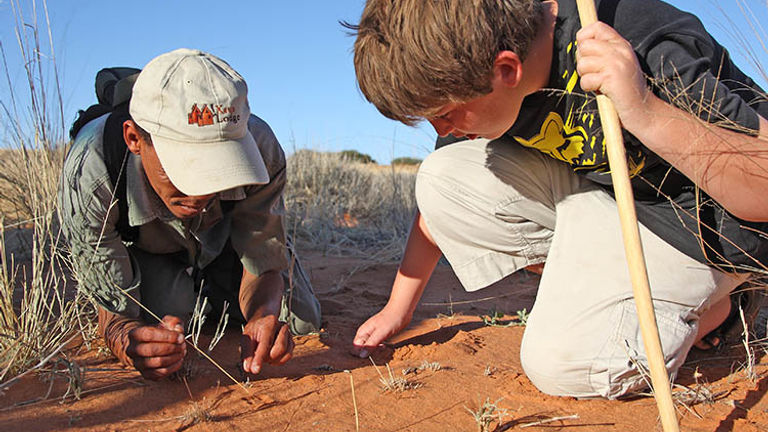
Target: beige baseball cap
column 195, row 108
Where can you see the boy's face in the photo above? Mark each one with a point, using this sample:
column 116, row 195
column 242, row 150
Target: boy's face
column 488, row 116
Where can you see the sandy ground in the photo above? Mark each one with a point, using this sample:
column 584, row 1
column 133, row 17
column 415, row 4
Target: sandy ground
column 323, row 388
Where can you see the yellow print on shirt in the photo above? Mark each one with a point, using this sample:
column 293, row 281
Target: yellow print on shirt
column 563, row 141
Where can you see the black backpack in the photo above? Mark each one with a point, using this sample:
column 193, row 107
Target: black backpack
column 113, row 92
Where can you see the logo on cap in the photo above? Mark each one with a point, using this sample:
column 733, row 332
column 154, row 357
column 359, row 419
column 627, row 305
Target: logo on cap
column 211, row 114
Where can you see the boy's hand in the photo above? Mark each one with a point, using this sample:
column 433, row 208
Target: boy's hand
column 607, row 64
column 157, row 350
column 265, row 340
column 376, row 330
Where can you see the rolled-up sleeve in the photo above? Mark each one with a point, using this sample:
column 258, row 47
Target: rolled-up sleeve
column 258, row 231
column 101, row 262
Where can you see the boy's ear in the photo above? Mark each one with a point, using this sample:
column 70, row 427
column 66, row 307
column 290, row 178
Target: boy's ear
column 508, row 68
column 132, row 137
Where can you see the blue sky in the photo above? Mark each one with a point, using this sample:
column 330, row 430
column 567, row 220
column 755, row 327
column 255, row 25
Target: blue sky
column 294, row 54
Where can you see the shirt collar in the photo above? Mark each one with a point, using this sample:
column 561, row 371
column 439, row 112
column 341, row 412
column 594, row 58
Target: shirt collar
column 143, row 203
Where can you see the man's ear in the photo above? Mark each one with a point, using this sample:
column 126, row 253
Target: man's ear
column 132, row 137
column 508, row 68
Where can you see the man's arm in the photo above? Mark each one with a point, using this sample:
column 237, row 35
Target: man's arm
column 731, row 167
column 419, row 260
column 258, row 236
column 265, row 339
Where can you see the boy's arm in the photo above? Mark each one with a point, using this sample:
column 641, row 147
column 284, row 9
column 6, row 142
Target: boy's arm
column 731, row 167
column 419, row 260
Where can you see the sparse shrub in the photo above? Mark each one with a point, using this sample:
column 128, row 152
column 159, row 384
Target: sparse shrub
column 406, row 161
column 356, row 156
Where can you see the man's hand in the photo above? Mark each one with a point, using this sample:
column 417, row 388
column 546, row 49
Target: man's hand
column 606, row 63
column 265, row 340
column 377, row 329
column 157, row 350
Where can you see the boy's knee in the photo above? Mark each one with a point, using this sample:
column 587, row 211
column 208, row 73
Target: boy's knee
column 554, row 367
column 604, row 361
column 566, row 371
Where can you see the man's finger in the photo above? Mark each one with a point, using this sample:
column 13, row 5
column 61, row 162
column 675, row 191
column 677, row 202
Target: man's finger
column 283, row 345
column 146, row 363
column 284, row 359
column 155, row 349
column 159, row 373
column 247, row 344
column 156, row 334
column 173, row 323
column 264, row 340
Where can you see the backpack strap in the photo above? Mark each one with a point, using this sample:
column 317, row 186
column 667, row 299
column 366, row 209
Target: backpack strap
column 113, row 92
column 116, row 159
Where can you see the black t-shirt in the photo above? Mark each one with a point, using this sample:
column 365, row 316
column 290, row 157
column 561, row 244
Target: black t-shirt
column 685, row 66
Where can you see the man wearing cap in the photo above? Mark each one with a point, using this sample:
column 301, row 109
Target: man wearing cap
column 203, row 185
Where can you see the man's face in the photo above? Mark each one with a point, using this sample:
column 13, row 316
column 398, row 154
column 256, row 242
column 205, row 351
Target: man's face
column 182, row 206
column 487, row 116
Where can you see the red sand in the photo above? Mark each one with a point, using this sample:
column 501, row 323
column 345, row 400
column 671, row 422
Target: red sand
column 313, row 391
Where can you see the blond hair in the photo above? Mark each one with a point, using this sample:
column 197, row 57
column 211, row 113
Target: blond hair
column 414, row 56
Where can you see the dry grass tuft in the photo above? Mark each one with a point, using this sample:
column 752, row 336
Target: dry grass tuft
column 391, row 383
column 38, row 315
column 343, row 207
column 487, row 413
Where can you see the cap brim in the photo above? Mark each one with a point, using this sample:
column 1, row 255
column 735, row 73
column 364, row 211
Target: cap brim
column 205, row 168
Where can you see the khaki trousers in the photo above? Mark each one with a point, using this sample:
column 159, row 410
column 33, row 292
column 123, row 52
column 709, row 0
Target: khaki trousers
column 496, row 207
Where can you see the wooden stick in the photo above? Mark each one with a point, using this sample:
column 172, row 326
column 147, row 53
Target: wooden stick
column 632, row 246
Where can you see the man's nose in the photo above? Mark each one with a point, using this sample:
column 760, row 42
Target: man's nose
column 442, row 127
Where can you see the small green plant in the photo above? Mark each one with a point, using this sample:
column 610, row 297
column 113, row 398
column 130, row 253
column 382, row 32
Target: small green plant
column 522, row 317
column 487, row 413
column 494, row 318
